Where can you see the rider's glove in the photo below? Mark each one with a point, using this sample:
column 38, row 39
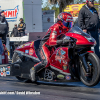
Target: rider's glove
column 64, row 41
column 59, row 42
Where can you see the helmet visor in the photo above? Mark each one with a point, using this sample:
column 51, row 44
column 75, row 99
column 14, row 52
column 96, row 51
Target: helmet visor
column 68, row 24
column 91, row 0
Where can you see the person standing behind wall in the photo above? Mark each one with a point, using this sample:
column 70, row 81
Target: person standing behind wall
column 21, row 28
column 3, row 26
column 88, row 21
column 14, row 32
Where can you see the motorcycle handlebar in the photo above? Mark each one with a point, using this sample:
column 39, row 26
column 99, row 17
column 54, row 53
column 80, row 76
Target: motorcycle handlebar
column 66, row 41
column 72, row 42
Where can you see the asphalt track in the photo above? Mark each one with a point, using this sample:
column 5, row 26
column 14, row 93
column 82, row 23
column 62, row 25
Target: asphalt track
column 51, row 91
column 12, row 89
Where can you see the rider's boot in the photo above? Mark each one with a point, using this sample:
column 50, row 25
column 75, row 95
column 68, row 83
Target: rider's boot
column 34, row 70
column 32, row 74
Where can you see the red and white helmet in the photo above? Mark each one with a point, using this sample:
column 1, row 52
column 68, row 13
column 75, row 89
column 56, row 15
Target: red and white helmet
column 90, row 1
column 66, row 19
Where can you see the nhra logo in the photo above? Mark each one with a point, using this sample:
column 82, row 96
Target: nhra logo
column 11, row 13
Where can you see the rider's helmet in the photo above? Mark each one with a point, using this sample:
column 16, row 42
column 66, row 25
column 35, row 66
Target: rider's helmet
column 65, row 19
column 89, row 0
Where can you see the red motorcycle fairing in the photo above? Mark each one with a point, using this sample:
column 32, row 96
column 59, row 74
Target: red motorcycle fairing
column 60, row 60
column 27, row 49
column 81, row 40
column 90, row 51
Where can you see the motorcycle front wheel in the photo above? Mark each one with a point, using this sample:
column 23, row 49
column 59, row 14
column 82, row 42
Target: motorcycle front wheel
column 93, row 63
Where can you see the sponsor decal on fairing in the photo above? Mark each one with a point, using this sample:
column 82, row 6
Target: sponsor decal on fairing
column 8, row 68
column 27, row 44
column 8, row 72
column 26, row 51
column 31, row 51
column 24, row 45
column 1, row 69
column 4, row 74
column 60, row 76
column 4, row 69
column 60, row 55
column 31, row 44
column 21, row 46
column 65, row 67
column 1, row 73
column 68, row 77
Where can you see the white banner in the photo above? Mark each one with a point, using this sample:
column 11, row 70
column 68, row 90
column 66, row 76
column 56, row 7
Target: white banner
column 13, row 10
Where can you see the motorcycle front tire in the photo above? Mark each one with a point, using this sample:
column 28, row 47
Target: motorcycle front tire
column 93, row 62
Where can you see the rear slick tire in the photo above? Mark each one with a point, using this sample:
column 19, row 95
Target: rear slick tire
column 14, row 59
column 94, row 63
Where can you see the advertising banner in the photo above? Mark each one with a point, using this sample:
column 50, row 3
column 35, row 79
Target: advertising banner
column 13, row 10
column 75, row 8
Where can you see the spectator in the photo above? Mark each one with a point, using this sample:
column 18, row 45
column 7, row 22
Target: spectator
column 21, row 27
column 3, row 27
column 14, row 32
column 88, row 21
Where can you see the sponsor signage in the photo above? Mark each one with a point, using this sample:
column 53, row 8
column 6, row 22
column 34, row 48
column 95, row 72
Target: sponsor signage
column 1, row 73
column 75, row 8
column 8, row 72
column 68, row 77
column 12, row 13
column 1, row 70
column 31, row 51
column 65, row 67
column 27, row 51
column 60, row 76
column 4, row 74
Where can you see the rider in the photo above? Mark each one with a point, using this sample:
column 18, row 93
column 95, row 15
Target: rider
column 49, row 41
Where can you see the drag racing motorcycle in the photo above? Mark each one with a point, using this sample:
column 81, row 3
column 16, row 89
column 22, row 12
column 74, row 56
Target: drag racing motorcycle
column 69, row 62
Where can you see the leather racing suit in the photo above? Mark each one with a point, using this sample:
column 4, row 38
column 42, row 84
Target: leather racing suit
column 47, row 45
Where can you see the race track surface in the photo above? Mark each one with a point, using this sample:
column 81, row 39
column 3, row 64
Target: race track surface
column 13, row 89
column 52, row 91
